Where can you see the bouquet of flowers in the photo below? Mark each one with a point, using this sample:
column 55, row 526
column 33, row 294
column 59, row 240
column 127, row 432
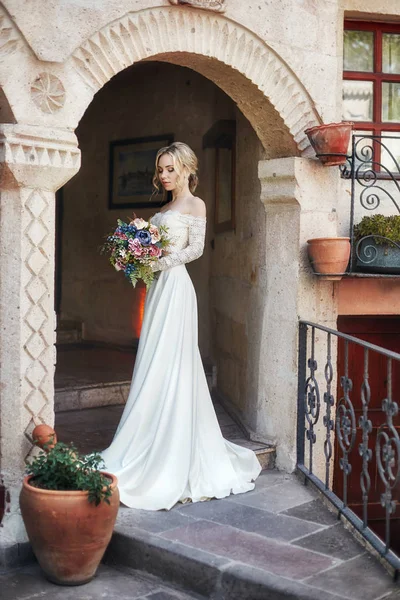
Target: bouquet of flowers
column 134, row 246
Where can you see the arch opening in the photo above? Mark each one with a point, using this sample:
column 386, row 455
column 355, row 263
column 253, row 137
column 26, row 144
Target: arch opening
column 228, row 279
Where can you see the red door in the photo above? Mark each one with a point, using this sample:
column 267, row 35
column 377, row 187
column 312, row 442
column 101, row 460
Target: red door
column 384, row 332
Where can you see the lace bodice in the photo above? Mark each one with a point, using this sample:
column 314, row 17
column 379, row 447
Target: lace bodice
column 187, row 234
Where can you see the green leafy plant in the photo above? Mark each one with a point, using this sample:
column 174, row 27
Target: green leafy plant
column 63, row 468
column 379, row 225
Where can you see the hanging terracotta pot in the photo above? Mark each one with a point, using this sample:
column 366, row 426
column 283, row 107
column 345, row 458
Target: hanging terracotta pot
column 329, row 256
column 331, row 142
column 68, row 534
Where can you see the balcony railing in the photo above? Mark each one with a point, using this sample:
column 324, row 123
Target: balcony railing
column 375, row 188
column 348, row 441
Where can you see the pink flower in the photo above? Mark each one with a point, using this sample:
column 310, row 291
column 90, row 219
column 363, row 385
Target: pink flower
column 140, row 223
column 119, row 266
column 155, row 234
column 121, row 236
column 155, row 251
column 136, row 248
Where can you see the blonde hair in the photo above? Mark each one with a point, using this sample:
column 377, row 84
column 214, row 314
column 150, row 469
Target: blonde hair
column 184, row 159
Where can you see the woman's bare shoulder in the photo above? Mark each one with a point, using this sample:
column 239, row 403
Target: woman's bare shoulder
column 197, row 207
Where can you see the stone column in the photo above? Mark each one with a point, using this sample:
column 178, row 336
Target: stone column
column 300, row 198
column 34, row 162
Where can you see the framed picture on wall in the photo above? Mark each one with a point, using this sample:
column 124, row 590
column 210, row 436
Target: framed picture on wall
column 131, row 171
column 222, row 137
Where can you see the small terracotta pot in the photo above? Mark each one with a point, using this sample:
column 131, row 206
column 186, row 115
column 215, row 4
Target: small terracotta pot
column 69, row 535
column 329, row 256
column 43, row 434
column 331, row 142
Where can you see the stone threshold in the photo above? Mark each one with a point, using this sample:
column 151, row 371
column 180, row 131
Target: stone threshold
column 91, row 395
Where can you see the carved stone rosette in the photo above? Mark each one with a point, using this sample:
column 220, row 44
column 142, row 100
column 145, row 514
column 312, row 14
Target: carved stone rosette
column 48, row 93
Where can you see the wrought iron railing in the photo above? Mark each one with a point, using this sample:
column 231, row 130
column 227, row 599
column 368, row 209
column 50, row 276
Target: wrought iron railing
column 374, row 171
column 348, row 441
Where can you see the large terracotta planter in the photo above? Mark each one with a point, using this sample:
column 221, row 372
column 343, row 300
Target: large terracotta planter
column 330, row 142
column 329, row 256
column 68, row 534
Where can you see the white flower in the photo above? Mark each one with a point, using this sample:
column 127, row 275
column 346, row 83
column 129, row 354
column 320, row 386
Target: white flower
column 140, row 223
column 122, row 252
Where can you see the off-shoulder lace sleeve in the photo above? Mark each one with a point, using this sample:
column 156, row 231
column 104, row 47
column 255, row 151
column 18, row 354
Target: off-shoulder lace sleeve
column 194, row 249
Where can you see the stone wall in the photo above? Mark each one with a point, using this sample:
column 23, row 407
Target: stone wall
column 238, row 285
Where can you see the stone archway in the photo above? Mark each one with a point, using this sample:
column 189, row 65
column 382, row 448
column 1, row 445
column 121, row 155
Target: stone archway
column 40, row 155
column 255, row 74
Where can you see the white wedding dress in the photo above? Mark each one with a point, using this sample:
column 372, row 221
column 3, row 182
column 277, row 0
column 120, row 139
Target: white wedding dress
column 168, row 446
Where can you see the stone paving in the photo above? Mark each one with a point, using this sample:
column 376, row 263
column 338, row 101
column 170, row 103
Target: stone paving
column 278, row 541
column 109, row 583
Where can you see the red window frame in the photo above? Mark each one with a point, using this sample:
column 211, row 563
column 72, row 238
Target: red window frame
column 376, row 126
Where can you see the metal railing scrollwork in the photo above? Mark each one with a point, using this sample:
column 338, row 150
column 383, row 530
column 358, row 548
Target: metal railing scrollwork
column 358, row 436
column 375, row 186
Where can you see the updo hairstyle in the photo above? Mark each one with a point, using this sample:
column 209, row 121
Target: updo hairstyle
column 184, row 159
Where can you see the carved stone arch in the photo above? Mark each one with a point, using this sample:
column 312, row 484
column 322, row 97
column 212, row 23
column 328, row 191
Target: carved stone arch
column 170, row 33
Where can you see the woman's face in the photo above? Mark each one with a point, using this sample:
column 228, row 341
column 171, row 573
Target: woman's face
column 166, row 172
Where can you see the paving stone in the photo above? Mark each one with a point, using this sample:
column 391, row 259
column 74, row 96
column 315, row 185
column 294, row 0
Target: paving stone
column 251, row 519
column 314, row 511
column 30, row 584
column 281, row 559
column 277, row 497
column 393, row 596
column 190, row 567
column 241, row 581
column 14, row 555
column 153, row 521
column 362, row 578
column 333, row 541
column 166, row 596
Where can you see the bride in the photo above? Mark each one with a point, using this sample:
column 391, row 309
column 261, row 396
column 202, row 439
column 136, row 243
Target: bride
column 168, row 446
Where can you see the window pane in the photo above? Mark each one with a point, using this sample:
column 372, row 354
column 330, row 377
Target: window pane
column 393, row 145
column 358, row 51
column 391, row 102
column 357, row 100
column 391, row 53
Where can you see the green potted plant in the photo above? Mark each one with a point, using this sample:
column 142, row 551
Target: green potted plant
column 377, row 244
column 69, row 507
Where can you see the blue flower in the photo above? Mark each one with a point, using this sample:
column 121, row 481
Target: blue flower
column 131, row 229
column 144, row 237
column 129, row 270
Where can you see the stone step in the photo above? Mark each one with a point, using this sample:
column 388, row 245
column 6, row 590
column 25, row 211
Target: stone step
column 109, row 583
column 278, row 541
column 69, row 332
column 91, row 396
column 267, row 457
